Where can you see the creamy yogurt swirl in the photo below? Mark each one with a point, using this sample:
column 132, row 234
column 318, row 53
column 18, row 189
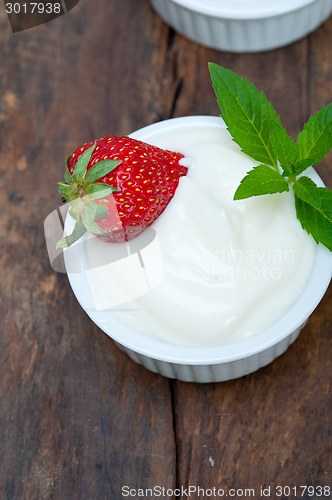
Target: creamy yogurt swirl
column 218, row 270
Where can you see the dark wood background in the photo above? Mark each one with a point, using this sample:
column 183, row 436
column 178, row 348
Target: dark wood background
column 78, row 419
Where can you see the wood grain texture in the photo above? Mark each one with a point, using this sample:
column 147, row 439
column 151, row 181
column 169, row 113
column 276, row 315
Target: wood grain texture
column 78, row 419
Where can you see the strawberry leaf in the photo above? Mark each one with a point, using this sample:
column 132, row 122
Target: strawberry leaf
column 307, row 191
column 100, row 169
column 68, row 177
column 101, row 190
column 76, row 207
column 65, row 191
column 317, row 221
column 315, row 141
column 101, row 212
column 89, row 214
column 261, row 180
column 247, row 114
column 82, row 164
column 78, row 232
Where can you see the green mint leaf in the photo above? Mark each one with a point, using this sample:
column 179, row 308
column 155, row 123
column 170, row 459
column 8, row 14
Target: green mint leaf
column 283, row 146
column 100, row 169
column 307, row 191
column 300, row 166
column 317, row 221
column 315, row 141
column 78, row 231
column 247, row 114
column 82, row 164
column 261, row 180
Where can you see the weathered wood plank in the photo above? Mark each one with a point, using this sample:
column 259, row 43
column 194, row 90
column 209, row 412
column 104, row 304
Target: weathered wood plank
column 78, row 419
column 272, row 427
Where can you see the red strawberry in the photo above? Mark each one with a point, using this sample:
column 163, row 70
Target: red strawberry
column 117, row 186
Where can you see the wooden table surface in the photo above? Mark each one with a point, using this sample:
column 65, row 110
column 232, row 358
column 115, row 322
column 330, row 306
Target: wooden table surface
column 78, row 418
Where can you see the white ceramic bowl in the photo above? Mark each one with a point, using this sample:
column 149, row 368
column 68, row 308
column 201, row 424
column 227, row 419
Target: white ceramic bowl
column 206, row 364
column 243, row 25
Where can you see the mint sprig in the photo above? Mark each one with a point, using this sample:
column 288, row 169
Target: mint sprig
column 255, row 127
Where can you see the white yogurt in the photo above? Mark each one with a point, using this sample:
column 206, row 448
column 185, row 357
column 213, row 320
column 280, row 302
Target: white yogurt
column 218, row 270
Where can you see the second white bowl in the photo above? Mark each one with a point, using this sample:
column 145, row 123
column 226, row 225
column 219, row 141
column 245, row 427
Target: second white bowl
column 243, row 25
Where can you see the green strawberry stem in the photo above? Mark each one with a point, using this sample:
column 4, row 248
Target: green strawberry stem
column 80, row 189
